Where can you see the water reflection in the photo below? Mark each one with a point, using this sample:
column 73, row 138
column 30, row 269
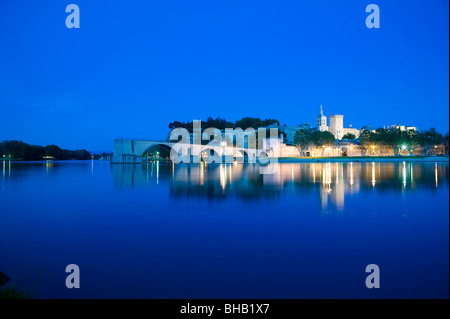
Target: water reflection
column 48, row 166
column 373, row 175
column 436, row 174
column 332, row 181
column 217, row 218
column 351, row 174
column 6, row 171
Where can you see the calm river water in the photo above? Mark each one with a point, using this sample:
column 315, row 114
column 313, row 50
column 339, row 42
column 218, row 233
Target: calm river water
column 226, row 231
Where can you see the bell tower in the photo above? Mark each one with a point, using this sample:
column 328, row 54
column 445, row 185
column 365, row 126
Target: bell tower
column 321, row 121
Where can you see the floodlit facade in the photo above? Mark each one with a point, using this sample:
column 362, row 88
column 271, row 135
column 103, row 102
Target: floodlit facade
column 336, row 126
column 404, row 128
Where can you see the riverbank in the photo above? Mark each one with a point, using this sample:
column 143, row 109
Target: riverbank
column 364, row 159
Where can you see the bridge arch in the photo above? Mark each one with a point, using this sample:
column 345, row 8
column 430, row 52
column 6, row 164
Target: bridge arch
column 161, row 150
column 131, row 151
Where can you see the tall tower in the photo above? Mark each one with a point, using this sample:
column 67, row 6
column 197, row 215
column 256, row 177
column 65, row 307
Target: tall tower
column 337, row 126
column 321, row 121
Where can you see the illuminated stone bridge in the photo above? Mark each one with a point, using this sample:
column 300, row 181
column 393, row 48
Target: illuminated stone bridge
column 128, row 151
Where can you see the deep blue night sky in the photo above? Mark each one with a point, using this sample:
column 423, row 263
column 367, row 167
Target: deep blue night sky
column 135, row 66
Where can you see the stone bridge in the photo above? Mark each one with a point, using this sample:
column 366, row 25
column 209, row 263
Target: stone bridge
column 127, row 151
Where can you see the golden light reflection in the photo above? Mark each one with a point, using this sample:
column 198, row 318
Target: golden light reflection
column 202, row 172
column 223, row 177
column 373, row 175
column 48, row 165
column 327, row 177
column 351, row 174
column 404, row 174
column 245, row 179
column 323, row 175
column 436, row 174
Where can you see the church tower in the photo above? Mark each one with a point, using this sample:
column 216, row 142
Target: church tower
column 321, row 121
